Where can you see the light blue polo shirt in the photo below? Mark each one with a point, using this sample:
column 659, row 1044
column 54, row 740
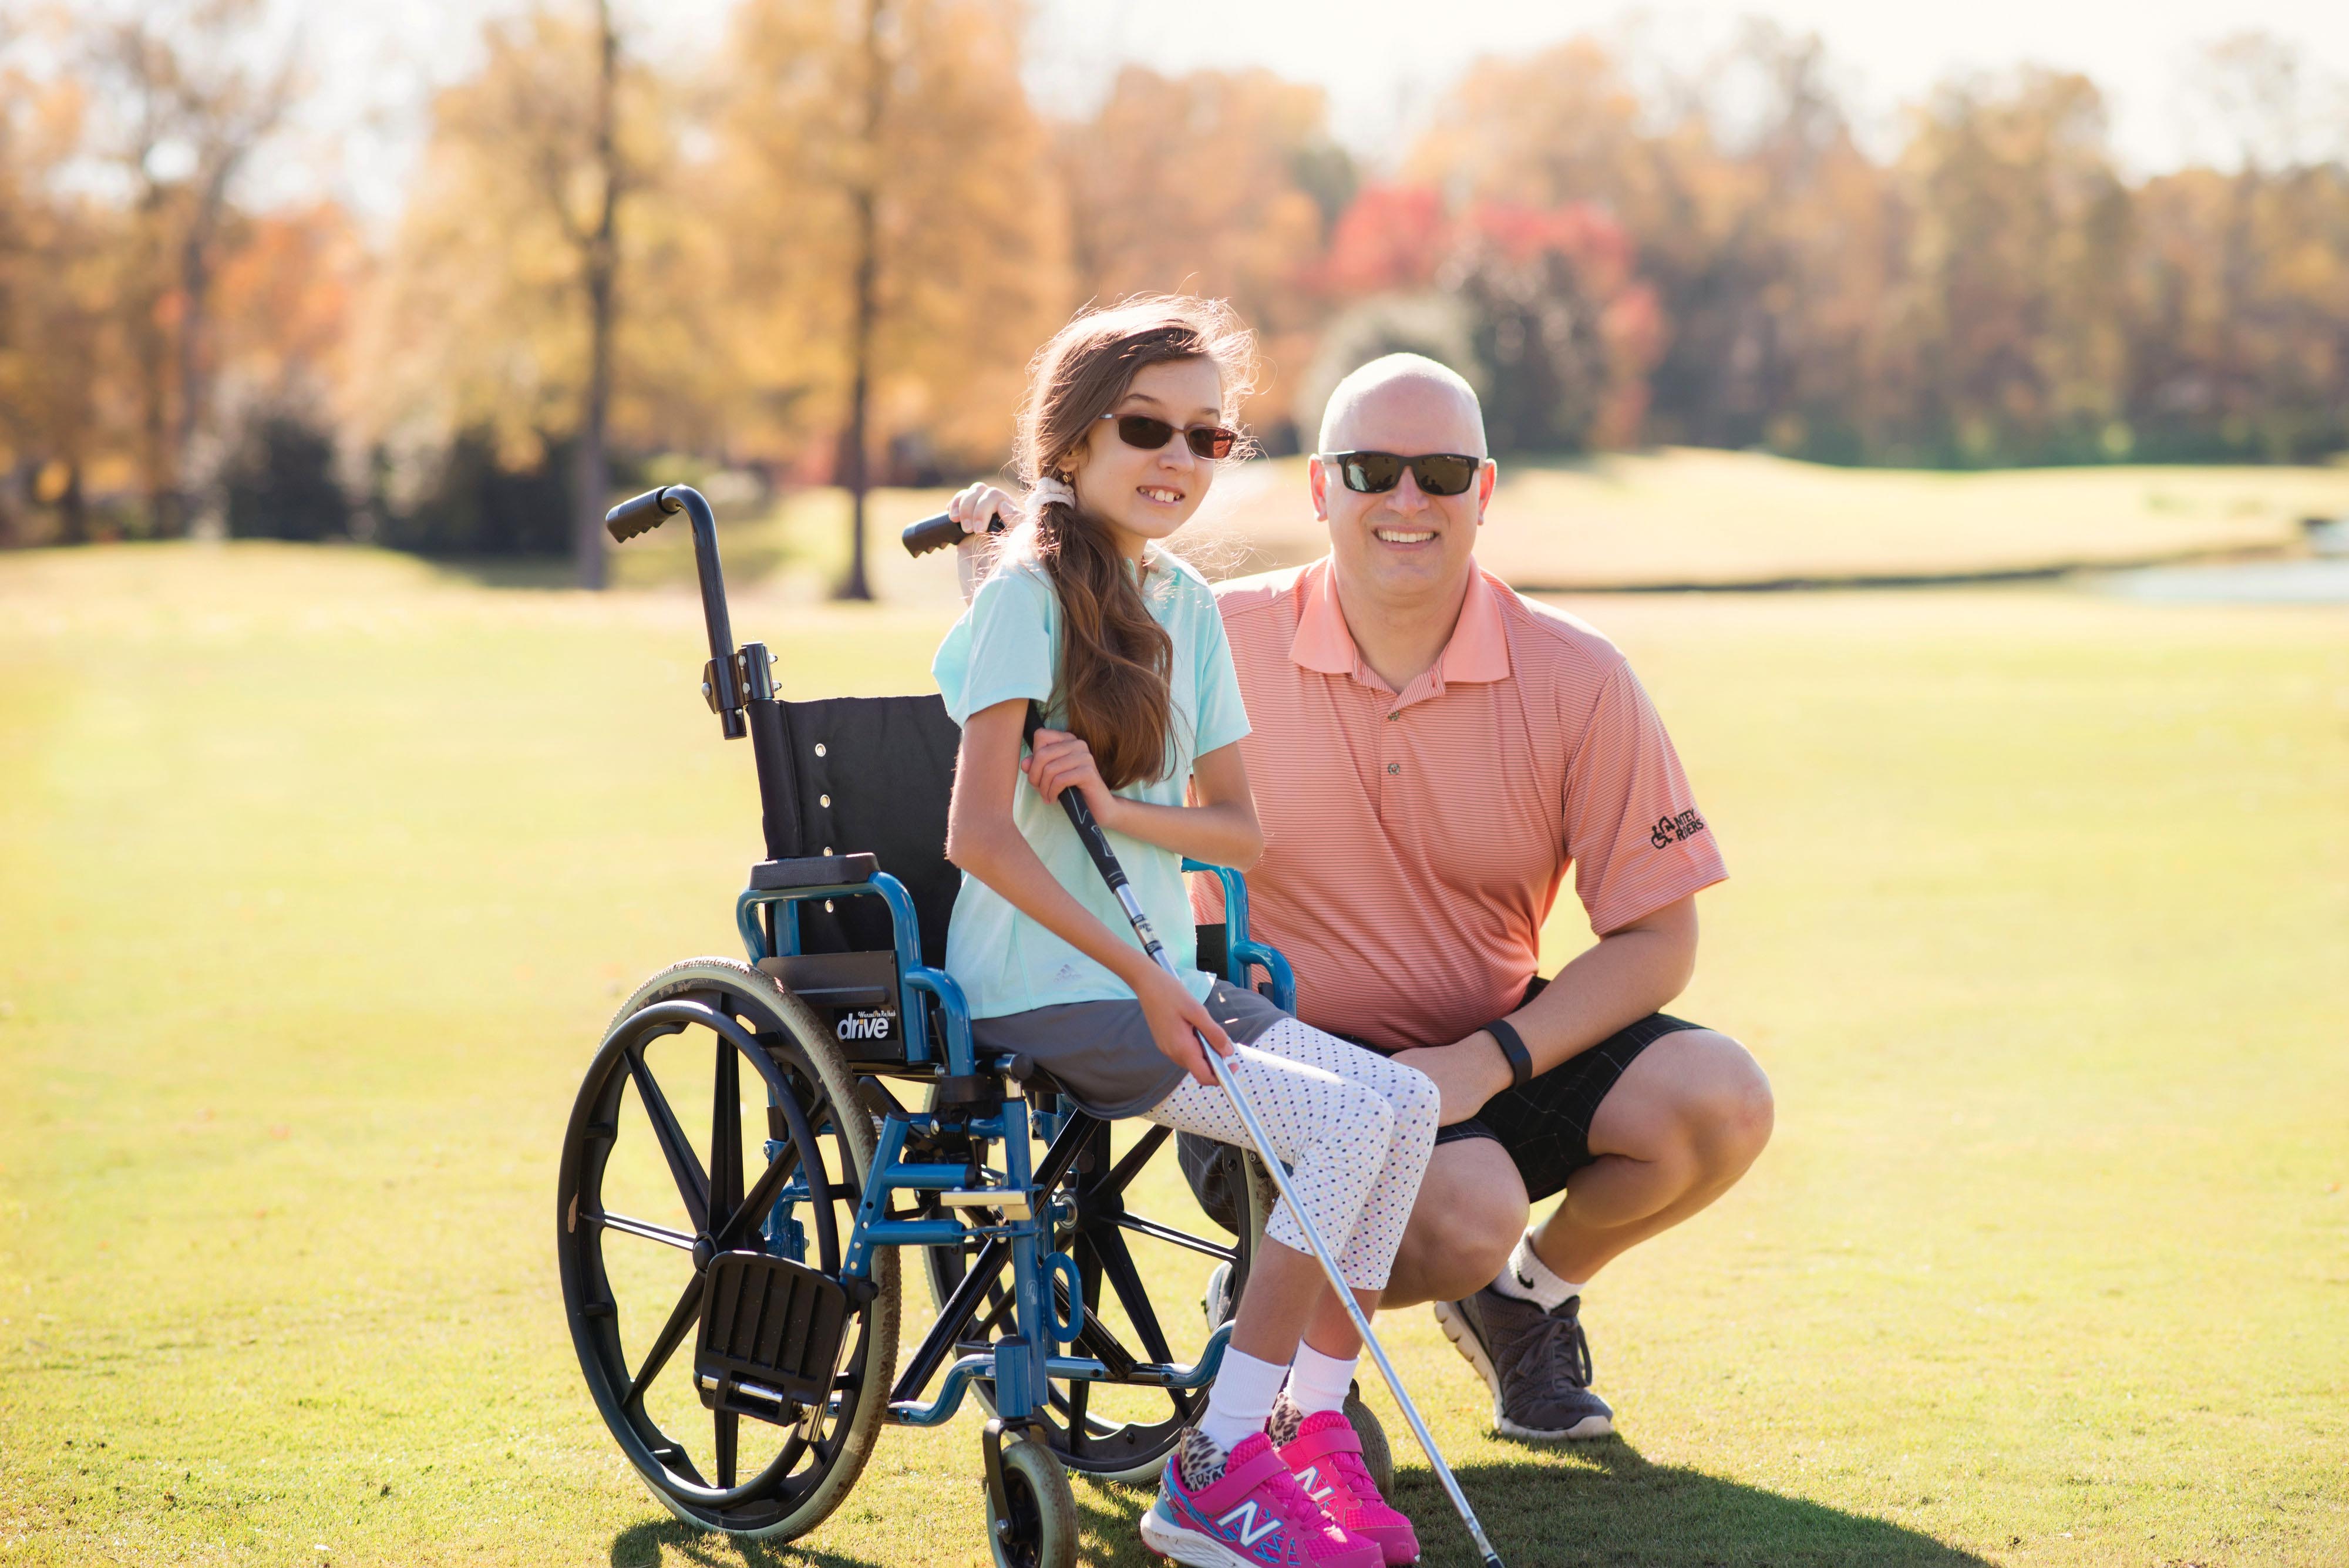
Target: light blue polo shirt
column 1007, row 645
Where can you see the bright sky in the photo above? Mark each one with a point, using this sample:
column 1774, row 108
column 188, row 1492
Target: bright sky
column 1382, row 61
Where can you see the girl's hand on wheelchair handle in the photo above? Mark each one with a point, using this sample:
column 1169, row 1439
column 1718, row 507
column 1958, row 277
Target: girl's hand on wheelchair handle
column 1057, row 760
column 1177, row 1020
column 976, row 505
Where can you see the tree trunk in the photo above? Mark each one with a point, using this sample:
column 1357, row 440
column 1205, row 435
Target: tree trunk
column 591, row 472
column 187, row 368
column 153, row 352
column 73, row 508
column 854, row 448
column 857, row 442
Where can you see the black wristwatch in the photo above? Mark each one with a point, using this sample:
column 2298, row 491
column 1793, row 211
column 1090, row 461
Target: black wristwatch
column 1513, row 1046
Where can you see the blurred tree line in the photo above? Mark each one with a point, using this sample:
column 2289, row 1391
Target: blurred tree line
column 825, row 253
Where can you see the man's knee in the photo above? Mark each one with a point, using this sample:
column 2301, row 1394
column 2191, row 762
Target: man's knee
column 1471, row 1210
column 1727, row 1109
column 1694, row 1097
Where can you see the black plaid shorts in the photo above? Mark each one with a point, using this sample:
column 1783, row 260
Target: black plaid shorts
column 1545, row 1126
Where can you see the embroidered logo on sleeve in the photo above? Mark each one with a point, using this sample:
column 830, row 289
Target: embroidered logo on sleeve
column 1671, row 830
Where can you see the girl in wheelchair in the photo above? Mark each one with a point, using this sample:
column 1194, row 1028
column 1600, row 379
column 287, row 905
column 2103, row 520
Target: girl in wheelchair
column 1089, row 615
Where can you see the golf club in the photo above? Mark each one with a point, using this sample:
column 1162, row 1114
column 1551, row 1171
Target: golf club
column 1096, row 843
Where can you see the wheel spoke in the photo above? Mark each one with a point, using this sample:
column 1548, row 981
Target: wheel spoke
column 672, row 1334
column 725, row 1135
column 692, row 1186
column 629, row 1227
column 1118, row 1264
column 1080, row 1395
column 751, row 1209
column 1119, row 1178
column 1168, row 1233
column 730, row 1427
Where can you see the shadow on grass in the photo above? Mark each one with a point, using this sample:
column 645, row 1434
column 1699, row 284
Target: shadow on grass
column 648, row 1544
column 1599, row 1505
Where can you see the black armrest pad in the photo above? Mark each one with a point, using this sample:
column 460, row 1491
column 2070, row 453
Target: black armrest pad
column 813, row 871
column 1215, row 947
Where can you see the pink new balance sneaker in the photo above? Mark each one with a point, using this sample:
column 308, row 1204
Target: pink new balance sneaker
column 1254, row 1515
column 1326, row 1457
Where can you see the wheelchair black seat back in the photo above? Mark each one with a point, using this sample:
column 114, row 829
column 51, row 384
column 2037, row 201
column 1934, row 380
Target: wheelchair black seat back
column 849, row 1115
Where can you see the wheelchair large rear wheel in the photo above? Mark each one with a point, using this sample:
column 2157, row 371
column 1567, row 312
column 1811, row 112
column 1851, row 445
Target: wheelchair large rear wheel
column 719, row 1119
column 1143, row 1273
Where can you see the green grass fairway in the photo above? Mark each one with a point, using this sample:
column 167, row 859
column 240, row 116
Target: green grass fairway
column 1675, row 516
column 320, row 872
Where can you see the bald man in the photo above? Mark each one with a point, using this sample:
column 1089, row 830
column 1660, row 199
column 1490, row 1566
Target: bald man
column 1432, row 754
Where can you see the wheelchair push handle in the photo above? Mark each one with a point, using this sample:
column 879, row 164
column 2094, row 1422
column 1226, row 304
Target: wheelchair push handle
column 641, row 513
column 937, row 532
column 729, row 679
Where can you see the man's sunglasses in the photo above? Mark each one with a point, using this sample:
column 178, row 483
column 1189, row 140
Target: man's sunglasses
column 1376, row 472
column 1212, row 443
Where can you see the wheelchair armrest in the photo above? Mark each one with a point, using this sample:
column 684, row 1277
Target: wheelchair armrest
column 1240, row 949
column 1236, row 919
column 813, row 871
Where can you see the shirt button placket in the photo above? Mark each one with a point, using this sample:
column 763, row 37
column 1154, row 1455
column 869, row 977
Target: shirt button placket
column 1389, row 754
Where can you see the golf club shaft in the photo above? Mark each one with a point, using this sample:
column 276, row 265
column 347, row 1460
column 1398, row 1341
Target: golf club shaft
column 1104, row 859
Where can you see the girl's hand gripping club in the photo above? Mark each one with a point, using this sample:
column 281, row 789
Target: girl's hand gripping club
column 1096, row 843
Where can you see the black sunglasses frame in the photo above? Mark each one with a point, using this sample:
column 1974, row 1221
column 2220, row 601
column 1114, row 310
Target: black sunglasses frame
column 1212, row 442
column 1360, row 472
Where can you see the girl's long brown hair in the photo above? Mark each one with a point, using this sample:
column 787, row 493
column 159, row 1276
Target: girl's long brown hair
column 1116, row 660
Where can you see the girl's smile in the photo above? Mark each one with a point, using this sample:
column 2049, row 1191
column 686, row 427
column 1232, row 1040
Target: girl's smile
column 1147, row 493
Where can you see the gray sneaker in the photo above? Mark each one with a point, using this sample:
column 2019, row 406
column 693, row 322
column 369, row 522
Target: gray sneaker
column 1536, row 1362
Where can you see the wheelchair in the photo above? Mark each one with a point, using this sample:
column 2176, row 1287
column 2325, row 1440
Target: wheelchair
column 753, row 1275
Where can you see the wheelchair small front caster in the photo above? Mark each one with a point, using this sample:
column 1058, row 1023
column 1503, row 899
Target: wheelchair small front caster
column 1031, row 1514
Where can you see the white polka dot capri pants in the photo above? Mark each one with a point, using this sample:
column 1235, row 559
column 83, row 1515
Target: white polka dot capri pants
column 1354, row 1129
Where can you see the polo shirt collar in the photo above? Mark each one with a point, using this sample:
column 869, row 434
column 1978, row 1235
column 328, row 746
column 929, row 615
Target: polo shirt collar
column 1478, row 650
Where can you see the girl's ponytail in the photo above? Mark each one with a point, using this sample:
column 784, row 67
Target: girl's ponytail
column 1116, row 660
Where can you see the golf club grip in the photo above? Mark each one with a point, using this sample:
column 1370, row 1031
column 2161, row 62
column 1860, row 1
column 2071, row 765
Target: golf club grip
column 937, row 532
column 1080, row 817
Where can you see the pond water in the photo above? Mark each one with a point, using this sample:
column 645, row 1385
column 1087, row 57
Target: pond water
column 2316, row 582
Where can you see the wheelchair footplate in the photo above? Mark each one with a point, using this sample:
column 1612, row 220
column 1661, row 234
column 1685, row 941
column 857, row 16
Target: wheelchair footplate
column 770, row 1333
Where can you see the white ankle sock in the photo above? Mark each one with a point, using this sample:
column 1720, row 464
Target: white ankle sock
column 1241, row 1399
column 1318, row 1382
column 1527, row 1279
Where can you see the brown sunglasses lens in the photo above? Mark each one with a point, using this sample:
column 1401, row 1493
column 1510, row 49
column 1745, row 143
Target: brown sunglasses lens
column 1211, row 441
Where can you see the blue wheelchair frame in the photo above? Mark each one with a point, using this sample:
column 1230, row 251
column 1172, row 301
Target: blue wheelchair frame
column 1022, row 1365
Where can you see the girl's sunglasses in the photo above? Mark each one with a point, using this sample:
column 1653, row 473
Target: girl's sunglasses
column 1376, row 472
column 1212, row 443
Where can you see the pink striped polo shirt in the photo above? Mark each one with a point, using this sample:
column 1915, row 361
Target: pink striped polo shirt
column 1414, row 843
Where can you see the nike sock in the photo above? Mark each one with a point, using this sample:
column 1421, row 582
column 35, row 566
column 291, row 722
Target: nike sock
column 1318, row 1382
column 1240, row 1399
column 1526, row 1278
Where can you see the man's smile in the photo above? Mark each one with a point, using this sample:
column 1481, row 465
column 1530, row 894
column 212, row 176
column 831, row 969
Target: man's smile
column 1403, row 536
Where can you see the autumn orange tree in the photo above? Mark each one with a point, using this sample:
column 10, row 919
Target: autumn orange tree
column 895, row 243
column 56, row 368
column 178, row 108
column 1217, row 182
column 507, row 304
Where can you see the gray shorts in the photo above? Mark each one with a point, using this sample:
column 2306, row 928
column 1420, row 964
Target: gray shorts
column 1101, row 1052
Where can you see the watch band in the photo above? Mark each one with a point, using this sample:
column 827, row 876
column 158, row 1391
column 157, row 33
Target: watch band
column 1513, row 1046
